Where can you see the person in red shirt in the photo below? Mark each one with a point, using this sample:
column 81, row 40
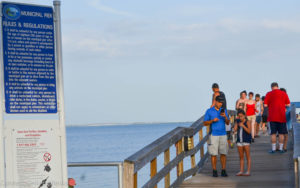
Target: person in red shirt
column 277, row 100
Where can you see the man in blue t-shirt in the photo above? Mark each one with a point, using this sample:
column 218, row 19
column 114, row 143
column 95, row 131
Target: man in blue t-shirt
column 216, row 117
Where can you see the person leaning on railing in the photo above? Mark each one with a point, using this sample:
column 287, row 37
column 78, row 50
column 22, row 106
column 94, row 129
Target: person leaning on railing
column 216, row 117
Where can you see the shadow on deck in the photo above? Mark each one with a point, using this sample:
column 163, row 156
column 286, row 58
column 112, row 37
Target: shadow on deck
column 268, row 170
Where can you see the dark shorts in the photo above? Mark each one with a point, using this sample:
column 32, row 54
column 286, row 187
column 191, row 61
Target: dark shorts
column 229, row 136
column 264, row 119
column 258, row 119
column 279, row 128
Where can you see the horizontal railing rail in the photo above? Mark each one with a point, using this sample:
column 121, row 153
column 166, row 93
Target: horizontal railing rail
column 178, row 137
column 96, row 164
column 118, row 164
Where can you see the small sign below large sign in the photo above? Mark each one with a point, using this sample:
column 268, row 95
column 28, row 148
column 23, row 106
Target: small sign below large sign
column 29, row 59
column 33, row 160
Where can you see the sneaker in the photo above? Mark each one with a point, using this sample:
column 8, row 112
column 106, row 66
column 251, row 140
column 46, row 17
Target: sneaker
column 252, row 140
column 223, row 173
column 215, row 173
column 282, row 151
column 272, row 151
column 247, row 174
column 285, row 150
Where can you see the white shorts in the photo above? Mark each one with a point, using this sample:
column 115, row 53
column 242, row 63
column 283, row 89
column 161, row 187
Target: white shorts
column 217, row 144
column 240, row 144
column 252, row 118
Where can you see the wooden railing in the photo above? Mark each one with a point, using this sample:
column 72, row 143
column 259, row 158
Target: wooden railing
column 296, row 141
column 183, row 139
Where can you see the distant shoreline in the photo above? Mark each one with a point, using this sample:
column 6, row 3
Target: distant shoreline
column 122, row 124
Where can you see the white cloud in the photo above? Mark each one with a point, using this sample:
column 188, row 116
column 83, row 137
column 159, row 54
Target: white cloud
column 91, row 45
column 97, row 4
column 237, row 26
column 289, row 25
column 132, row 40
column 188, row 27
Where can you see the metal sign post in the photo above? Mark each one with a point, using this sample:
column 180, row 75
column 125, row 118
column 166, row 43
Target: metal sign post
column 2, row 101
column 61, row 104
column 32, row 151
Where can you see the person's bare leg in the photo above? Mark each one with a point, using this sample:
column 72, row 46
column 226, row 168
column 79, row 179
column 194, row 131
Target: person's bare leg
column 286, row 137
column 252, row 128
column 214, row 162
column 273, row 138
column 263, row 127
column 257, row 125
column 247, row 151
column 281, row 140
column 255, row 129
column 241, row 154
column 223, row 161
column 273, row 141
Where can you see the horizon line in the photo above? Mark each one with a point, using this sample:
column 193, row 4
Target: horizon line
column 132, row 123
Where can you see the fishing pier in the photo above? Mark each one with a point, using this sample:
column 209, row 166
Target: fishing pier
column 278, row 170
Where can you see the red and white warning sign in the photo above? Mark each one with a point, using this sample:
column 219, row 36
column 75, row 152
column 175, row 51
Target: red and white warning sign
column 47, row 157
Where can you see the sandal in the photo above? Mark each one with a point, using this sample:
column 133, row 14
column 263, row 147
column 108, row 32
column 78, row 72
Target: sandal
column 247, row 174
column 239, row 174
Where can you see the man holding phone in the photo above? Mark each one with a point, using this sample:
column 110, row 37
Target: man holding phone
column 216, row 117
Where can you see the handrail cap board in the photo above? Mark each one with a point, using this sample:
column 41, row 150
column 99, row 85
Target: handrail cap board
column 296, row 134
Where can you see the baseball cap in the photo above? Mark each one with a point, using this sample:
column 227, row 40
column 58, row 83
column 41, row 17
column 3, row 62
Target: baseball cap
column 215, row 85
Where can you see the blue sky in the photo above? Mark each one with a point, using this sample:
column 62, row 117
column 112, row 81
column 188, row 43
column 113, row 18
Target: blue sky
column 135, row 60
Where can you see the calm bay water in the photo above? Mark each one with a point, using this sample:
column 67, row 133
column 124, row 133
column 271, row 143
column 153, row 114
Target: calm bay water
column 112, row 143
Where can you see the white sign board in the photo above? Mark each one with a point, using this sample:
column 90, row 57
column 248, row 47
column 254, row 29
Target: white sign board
column 32, row 151
column 35, row 159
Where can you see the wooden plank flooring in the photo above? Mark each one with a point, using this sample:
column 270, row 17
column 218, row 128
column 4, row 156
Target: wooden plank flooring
column 268, row 170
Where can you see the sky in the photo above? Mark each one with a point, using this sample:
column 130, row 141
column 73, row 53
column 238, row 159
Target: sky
column 155, row 61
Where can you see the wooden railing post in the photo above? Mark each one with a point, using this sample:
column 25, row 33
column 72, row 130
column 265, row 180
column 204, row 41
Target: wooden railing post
column 166, row 162
column 135, row 180
column 179, row 149
column 202, row 148
column 153, row 169
column 193, row 160
column 129, row 177
column 207, row 133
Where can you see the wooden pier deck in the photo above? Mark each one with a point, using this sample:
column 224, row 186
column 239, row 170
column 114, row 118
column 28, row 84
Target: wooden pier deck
column 268, row 170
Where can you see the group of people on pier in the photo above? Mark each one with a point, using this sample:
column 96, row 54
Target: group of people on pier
column 252, row 114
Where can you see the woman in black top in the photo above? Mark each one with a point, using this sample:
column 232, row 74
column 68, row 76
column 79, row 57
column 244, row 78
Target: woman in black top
column 243, row 129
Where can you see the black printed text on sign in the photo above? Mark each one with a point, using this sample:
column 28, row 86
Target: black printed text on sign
column 29, row 59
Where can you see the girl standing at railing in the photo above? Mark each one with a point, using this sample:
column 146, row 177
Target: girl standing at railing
column 243, row 129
